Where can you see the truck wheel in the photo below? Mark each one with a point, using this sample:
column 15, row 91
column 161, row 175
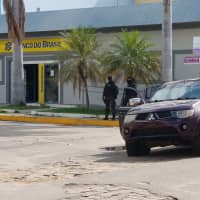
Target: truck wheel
column 196, row 146
column 137, row 148
column 131, row 149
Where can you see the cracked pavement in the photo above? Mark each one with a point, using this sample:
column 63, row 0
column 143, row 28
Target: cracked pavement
column 50, row 162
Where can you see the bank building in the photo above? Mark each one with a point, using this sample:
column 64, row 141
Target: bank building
column 42, row 43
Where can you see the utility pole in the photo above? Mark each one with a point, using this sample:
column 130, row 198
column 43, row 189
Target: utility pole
column 167, row 72
column 167, row 41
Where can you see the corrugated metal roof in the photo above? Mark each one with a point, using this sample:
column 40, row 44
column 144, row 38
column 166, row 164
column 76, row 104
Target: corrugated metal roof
column 184, row 11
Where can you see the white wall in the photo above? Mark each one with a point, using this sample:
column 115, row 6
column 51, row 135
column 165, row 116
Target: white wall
column 182, row 38
column 3, row 94
column 185, row 71
column 68, row 95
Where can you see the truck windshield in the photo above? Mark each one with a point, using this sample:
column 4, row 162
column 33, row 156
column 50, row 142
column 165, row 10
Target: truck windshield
column 177, row 91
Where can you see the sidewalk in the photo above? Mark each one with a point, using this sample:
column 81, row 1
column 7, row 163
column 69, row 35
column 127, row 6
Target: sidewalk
column 57, row 118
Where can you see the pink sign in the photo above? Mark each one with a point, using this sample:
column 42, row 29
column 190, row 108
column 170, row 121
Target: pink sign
column 192, row 60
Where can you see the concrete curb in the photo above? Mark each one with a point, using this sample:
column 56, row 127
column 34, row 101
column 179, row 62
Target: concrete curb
column 65, row 115
column 59, row 120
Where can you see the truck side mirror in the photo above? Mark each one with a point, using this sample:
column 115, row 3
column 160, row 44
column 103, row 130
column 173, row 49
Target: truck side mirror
column 135, row 101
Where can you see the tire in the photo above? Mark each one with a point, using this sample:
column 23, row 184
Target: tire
column 131, row 149
column 196, row 146
column 137, row 148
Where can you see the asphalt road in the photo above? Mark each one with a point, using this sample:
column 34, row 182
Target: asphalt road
column 49, row 162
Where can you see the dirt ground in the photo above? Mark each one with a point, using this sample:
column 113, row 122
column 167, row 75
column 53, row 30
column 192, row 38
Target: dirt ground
column 49, row 162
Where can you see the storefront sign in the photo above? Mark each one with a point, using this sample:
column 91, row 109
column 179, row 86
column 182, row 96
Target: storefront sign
column 35, row 45
column 192, row 60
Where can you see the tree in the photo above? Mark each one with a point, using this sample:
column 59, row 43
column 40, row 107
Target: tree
column 15, row 14
column 130, row 56
column 79, row 64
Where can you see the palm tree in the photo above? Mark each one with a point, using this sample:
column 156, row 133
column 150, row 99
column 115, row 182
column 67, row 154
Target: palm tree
column 80, row 62
column 15, row 13
column 130, row 56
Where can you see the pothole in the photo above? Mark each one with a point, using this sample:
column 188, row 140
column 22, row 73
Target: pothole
column 58, row 170
column 110, row 192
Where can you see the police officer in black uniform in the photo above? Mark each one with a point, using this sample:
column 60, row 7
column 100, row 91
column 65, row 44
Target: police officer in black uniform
column 129, row 92
column 110, row 93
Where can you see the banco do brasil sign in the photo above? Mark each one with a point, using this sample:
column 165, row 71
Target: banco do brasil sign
column 35, row 45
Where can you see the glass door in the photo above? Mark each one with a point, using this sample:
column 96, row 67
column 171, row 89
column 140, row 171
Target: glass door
column 51, row 83
column 31, row 80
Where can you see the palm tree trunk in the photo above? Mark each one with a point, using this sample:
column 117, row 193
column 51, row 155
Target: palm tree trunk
column 86, row 94
column 167, row 41
column 17, row 81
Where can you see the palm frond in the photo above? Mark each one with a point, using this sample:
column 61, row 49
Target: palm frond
column 80, row 62
column 131, row 56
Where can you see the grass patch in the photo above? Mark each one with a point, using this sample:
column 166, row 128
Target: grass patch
column 1, row 111
column 44, row 108
column 80, row 110
column 24, row 107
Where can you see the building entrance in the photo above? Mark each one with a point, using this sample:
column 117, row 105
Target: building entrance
column 51, row 83
column 31, row 82
column 41, row 82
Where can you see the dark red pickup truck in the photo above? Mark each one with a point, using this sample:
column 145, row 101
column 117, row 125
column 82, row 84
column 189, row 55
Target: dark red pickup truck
column 170, row 117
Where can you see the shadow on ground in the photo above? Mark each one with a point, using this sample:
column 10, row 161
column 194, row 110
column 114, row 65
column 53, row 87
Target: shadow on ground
column 164, row 154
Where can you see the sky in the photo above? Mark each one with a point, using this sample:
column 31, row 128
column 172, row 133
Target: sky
column 32, row 5
column 44, row 5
